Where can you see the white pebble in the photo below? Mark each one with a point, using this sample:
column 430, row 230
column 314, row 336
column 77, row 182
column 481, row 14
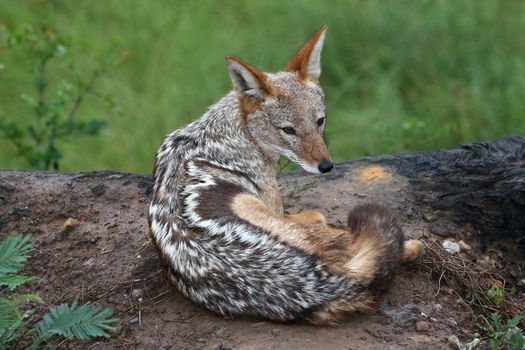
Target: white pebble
column 451, row 247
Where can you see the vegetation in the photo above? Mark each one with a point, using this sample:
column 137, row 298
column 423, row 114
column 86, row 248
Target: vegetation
column 54, row 116
column 502, row 335
column 71, row 322
column 398, row 76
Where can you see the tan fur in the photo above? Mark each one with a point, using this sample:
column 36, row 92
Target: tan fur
column 314, row 149
column 248, row 105
column 307, row 217
column 412, row 250
column 339, row 309
column 253, row 210
column 365, row 252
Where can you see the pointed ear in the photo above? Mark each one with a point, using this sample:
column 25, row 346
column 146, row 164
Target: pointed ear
column 248, row 80
column 307, row 61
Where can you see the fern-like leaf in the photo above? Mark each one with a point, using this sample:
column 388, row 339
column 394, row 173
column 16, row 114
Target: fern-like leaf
column 11, row 334
column 513, row 322
column 26, row 298
column 14, row 252
column 12, row 281
column 75, row 322
column 9, row 314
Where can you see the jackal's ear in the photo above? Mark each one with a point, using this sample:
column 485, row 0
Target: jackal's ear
column 248, row 80
column 307, row 61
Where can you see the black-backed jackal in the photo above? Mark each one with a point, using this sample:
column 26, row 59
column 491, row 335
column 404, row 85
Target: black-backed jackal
column 217, row 219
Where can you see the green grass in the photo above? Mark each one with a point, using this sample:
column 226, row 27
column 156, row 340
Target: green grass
column 399, row 75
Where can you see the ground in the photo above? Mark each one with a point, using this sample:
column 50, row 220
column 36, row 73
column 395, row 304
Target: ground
column 90, row 234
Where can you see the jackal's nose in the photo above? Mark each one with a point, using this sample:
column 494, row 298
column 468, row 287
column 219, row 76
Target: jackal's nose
column 325, row 166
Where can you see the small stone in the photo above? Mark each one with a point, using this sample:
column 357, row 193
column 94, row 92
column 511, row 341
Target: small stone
column 488, row 261
column 473, row 344
column 137, row 293
column 220, row 332
column 224, row 346
column 429, row 217
column 69, row 224
column 422, row 326
column 451, row 247
column 388, row 338
column 134, row 320
column 93, row 240
column 464, row 245
column 276, row 332
column 453, row 343
column 451, row 321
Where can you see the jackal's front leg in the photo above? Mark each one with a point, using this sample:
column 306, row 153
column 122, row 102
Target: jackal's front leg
column 303, row 230
column 307, row 217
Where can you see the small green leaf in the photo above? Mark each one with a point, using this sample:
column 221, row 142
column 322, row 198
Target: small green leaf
column 9, row 314
column 12, row 281
column 495, row 294
column 493, row 343
column 27, row 298
column 517, row 341
column 40, row 85
column 29, row 100
column 14, row 251
column 513, row 322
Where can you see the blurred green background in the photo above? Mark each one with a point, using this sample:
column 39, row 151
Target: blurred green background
column 399, row 75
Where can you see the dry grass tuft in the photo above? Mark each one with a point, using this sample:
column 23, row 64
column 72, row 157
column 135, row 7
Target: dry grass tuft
column 470, row 281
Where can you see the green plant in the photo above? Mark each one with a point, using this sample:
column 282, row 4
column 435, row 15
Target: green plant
column 71, row 322
column 496, row 295
column 504, row 335
column 55, row 112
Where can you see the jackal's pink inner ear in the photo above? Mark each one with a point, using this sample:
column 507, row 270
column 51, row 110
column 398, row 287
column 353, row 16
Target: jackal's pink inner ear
column 307, row 61
column 248, row 80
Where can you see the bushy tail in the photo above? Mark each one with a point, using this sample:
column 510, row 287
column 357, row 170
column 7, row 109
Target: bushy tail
column 378, row 247
column 375, row 248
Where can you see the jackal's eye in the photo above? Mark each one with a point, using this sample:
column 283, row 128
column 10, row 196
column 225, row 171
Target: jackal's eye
column 288, row 130
column 320, row 121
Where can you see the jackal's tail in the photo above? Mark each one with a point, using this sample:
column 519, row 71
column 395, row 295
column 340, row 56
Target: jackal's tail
column 378, row 247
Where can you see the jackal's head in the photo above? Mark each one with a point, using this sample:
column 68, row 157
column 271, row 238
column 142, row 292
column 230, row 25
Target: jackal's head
column 284, row 112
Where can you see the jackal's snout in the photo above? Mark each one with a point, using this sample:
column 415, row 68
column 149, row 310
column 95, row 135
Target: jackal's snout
column 325, row 166
column 315, row 154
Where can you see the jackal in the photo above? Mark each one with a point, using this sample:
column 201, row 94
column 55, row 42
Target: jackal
column 218, row 223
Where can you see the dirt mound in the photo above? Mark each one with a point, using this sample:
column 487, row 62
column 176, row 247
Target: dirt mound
column 91, row 243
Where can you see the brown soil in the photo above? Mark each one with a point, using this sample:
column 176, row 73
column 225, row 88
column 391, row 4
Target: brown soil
column 105, row 256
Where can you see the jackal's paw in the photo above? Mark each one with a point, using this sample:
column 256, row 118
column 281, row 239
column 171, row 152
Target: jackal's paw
column 307, row 217
column 413, row 249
